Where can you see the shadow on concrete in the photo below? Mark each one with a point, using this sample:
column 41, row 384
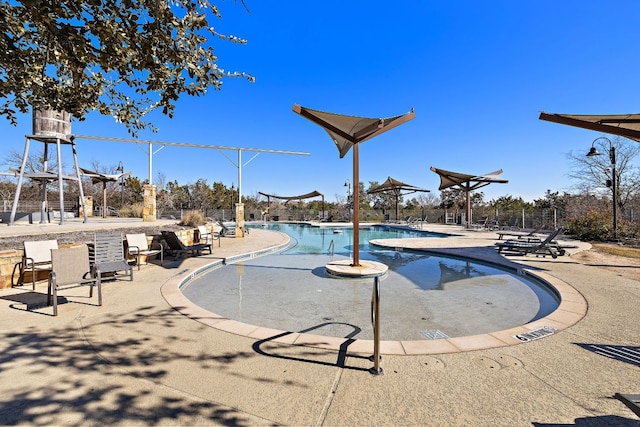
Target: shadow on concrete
column 342, row 353
column 110, row 372
column 623, row 353
column 597, row 421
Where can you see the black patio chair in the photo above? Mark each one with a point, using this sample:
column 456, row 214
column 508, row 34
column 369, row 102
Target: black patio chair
column 175, row 246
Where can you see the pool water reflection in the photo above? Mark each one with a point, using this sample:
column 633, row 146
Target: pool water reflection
column 422, row 294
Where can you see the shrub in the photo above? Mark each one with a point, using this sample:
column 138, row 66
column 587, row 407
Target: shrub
column 192, row 219
column 593, row 225
column 132, row 211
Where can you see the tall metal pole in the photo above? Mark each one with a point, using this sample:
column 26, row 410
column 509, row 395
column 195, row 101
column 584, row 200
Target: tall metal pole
column 356, row 204
column 16, row 197
column 614, row 187
column 239, row 176
column 614, row 180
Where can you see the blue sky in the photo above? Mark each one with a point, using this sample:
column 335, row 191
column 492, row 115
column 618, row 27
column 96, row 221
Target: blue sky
column 476, row 73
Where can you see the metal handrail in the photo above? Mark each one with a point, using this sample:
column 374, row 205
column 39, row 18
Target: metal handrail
column 332, row 247
column 375, row 321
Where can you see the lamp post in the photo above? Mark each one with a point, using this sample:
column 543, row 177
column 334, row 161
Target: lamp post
column 232, row 190
column 614, row 184
column 347, row 184
column 120, row 170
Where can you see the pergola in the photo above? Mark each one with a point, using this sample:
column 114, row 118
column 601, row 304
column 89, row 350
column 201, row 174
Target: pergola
column 467, row 183
column 97, row 177
column 398, row 188
column 626, row 125
column 288, row 198
column 346, row 132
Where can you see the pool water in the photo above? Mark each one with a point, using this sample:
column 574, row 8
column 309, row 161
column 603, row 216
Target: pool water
column 423, row 296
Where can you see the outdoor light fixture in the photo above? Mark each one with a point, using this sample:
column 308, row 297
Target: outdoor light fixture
column 347, row 184
column 232, row 191
column 614, row 185
column 120, row 170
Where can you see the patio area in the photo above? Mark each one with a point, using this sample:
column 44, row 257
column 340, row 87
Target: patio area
column 137, row 360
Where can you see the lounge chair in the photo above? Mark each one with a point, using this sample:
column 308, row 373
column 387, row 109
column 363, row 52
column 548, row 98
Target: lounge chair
column 226, row 231
column 631, row 400
column 108, row 255
column 70, row 268
column 480, row 225
column 512, row 225
column 519, row 235
column 175, row 245
column 36, row 257
column 138, row 245
column 542, row 247
column 207, row 236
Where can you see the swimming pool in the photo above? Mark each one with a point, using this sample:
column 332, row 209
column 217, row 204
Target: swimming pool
column 423, row 296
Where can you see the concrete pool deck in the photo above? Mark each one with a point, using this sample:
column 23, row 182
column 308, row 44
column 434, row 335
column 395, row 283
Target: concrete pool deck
column 137, row 360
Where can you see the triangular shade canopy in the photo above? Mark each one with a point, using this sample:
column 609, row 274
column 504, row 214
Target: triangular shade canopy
column 97, row 177
column 396, row 186
column 465, row 181
column 626, row 125
column 301, row 197
column 345, row 131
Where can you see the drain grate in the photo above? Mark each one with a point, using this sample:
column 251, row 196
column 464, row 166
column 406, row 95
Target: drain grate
column 433, row 334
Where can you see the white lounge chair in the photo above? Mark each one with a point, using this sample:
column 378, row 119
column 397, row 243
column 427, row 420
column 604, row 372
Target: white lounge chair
column 207, row 236
column 36, row 257
column 138, row 245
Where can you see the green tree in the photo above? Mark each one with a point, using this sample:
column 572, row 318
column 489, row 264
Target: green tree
column 552, row 200
column 507, row 203
column 180, row 197
column 123, row 58
column 201, row 195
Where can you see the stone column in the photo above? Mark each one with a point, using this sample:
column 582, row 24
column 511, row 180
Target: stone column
column 88, row 205
column 239, row 220
column 149, row 207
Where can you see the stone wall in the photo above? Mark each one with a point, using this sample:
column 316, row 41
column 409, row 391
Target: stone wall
column 149, row 203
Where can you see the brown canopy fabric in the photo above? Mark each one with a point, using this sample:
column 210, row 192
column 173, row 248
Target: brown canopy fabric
column 467, row 182
column 345, row 131
column 97, row 177
column 288, row 198
column 626, row 125
column 304, row 196
column 399, row 188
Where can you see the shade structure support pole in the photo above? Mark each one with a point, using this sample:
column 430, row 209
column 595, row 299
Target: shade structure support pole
column 356, row 208
column 43, row 183
column 468, row 206
column 75, row 163
column 16, row 197
column 104, row 199
column 60, row 182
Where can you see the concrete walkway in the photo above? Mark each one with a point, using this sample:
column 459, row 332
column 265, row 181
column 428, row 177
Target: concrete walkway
column 138, row 361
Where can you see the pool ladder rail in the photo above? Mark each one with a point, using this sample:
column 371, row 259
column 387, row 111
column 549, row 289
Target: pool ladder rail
column 375, row 322
column 332, row 247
